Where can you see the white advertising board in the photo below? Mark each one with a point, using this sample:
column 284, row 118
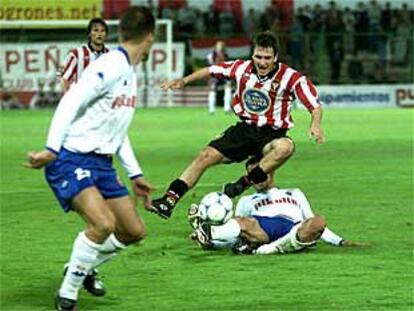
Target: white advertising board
column 24, row 66
column 353, row 96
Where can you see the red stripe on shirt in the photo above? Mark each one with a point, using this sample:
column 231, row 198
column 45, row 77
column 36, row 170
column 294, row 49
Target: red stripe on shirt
column 74, row 58
column 86, row 57
column 284, row 111
column 74, row 75
column 225, row 65
column 312, row 87
column 236, row 65
column 219, row 76
column 69, row 62
column 303, row 98
column 254, row 117
column 292, row 81
column 270, row 118
column 242, row 84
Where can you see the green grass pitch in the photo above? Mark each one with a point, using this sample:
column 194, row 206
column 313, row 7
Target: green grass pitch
column 361, row 180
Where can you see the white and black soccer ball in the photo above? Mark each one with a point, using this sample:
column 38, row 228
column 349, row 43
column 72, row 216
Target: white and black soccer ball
column 216, row 208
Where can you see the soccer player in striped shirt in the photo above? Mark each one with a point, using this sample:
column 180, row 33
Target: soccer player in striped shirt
column 79, row 58
column 88, row 129
column 262, row 101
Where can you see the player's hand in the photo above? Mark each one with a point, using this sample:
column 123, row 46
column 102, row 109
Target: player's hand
column 316, row 133
column 175, row 84
column 143, row 189
column 38, row 159
column 349, row 243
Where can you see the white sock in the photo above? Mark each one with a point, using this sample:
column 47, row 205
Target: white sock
column 84, row 256
column 330, row 237
column 227, row 98
column 211, row 101
column 228, row 231
column 224, row 244
column 109, row 249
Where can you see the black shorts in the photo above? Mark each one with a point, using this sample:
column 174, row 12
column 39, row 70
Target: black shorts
column 243, row 140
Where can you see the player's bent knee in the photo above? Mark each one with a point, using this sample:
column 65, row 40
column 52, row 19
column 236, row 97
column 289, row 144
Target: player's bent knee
column 248, row 224
column 285, row 147
column 312, row 229
column 134, row 235
column 103, row 228
column 318, row 223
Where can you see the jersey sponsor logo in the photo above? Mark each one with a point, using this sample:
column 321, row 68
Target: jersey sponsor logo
column 256, row 101
column 268, row 201
column 122, row 101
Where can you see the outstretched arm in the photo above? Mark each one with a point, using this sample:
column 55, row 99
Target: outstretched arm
column 203, row 73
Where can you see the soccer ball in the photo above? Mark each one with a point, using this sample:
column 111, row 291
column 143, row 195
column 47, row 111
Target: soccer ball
column 216, row 208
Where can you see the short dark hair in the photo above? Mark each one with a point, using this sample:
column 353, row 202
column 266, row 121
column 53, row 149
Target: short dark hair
column 136, row 22
column 266, row 40
column 97, row 20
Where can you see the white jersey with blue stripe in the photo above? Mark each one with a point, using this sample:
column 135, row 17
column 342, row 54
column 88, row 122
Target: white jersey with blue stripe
column 273, row 202
column 288, row 203
column 94, row 115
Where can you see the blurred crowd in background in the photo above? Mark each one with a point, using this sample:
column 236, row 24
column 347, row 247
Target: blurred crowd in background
column 369, row 42
column 372, row 43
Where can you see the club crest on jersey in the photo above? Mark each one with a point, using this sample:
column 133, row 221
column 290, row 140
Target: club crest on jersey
column 274, row 86
column 256, row 101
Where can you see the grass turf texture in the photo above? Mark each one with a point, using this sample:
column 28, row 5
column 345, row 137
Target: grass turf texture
column 360, row 179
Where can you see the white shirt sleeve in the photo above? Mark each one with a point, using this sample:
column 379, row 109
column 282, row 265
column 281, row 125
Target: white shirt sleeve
column 304, row 204
column 244, row 207
column 224, row 70
column 94, row 82
column 128, row 160
column 306, row 92
column 330, row 237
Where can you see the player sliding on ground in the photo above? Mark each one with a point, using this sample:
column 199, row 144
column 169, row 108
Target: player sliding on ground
column 269, row 221
column 90, row 127
column 263, row 100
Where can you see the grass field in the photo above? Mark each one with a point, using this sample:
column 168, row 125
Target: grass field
column 361, row 179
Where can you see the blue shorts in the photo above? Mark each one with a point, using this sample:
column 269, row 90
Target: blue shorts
column 275, row 227
column 72, row 172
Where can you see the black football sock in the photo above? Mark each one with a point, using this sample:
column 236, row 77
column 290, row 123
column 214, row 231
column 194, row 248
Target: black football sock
column 256, row 176
column 176, row 190
column 244, row 181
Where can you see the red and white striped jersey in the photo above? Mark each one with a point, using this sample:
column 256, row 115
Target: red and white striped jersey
column 266, row 101
column 77, row 60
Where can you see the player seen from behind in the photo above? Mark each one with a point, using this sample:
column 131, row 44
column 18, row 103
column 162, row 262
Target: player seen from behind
column 88, row 129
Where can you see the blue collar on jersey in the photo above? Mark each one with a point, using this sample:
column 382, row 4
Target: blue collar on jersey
column 120, row 48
